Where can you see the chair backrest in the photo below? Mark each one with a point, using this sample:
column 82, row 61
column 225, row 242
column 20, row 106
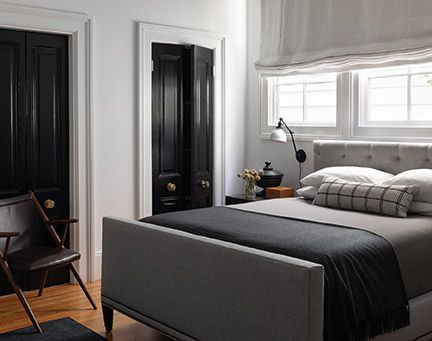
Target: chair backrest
column 19, row 214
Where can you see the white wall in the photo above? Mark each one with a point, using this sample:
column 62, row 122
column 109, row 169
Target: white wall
column 115, row 86
column 258, row 151
column 236, row 94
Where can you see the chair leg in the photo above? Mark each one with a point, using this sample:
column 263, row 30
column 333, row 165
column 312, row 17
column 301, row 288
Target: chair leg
column 108, row 317
column 82, row 285
column 20, row 295
column 42, row 283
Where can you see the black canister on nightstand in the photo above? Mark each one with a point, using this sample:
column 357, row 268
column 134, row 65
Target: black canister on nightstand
column 269, row 178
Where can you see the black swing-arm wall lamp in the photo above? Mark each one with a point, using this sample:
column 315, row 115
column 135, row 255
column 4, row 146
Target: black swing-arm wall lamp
column 279, row 135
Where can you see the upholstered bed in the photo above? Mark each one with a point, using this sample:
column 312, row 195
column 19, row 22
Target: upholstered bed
column 194, row 287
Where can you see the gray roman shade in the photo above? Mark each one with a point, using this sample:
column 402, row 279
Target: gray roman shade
column 338, row 35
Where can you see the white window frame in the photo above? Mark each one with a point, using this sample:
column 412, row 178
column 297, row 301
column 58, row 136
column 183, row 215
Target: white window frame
column 350, row 123
column 364, row 105
column 274, row 112
column 303, row 131
column 362, row 129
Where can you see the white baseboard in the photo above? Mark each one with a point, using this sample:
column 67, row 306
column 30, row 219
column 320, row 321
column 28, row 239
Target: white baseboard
column 97, row 266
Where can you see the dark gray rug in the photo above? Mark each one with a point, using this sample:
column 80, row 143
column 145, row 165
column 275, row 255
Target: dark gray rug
column 63, row 329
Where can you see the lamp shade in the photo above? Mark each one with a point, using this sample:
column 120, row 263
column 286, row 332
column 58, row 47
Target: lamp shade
column 278, row 135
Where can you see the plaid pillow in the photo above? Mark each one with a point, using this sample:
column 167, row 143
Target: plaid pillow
column 356, row 196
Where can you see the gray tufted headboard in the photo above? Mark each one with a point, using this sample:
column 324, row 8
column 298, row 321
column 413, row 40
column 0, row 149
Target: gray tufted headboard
column 390, row 157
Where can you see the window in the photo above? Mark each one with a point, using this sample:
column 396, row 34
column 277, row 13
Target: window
column 382, row 103
column 304, row 100
column 396, row 96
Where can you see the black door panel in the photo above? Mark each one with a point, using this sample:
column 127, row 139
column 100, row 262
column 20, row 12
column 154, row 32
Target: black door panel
column 182, row 128
column 12, row 113
column 167, row 131
column 48, row 142
column 34, row 129
column 202, row 123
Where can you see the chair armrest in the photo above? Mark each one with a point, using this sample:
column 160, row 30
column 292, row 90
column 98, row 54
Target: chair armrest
column 9, row 234
column 62, row 221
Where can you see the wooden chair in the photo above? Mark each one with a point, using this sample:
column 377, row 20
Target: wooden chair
column 24, row 231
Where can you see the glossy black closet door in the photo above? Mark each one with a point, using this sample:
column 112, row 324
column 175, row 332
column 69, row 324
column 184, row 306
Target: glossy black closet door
column 34, row 114
column 202, row 127
column 167, row 128
column 48, row 121
column 34, row 129
column 182, row 127
column 12, row 113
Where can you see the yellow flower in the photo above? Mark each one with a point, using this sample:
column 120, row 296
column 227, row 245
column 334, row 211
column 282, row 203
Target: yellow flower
column 250, row 175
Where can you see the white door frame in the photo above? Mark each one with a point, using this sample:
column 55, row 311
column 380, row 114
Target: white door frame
column 78, row 27
column 151, row 33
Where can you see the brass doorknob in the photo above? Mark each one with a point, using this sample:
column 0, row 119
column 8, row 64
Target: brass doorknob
column 205, row 184
column 171, row 187
column 49, row 203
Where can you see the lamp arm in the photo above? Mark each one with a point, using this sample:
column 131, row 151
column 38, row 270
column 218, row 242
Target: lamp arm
column 300, row 154
column 281, row 121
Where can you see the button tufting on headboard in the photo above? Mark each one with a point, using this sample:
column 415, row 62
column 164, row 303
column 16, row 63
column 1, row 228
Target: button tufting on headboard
column 391, row 157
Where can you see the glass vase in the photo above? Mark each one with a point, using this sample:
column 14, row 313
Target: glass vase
column 250, row 190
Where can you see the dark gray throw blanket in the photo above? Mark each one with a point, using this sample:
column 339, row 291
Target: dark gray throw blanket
column 364, row 295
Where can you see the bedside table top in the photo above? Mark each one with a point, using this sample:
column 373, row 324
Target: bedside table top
column 242, row 197
column 233, row 199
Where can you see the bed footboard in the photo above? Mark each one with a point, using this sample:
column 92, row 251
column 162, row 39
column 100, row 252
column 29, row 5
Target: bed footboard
column 193, row 287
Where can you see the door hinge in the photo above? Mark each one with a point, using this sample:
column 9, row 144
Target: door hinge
column 214, row 71
column 152, row 65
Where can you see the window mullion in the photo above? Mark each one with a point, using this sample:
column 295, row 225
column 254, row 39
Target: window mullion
column 304, row 102
column 409, row 99
column 276, row 116
column 368, row 101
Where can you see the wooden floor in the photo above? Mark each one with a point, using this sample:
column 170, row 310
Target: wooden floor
column 69, row 301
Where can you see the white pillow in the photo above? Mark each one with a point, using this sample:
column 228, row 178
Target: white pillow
column 420, row 177
column 420, row 207
column 349, row 173
column 308, row 192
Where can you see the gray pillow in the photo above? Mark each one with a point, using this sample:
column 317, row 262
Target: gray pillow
column 356, row 196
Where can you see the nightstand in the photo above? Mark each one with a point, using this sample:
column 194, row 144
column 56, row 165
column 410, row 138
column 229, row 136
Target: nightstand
column 240, row 199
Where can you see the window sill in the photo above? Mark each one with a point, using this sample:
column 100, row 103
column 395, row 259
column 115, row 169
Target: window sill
column 304, row 137
column 395, row 125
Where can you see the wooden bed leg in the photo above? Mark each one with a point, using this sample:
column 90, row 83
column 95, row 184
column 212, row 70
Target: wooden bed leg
column 108, row 316
column 42, row 282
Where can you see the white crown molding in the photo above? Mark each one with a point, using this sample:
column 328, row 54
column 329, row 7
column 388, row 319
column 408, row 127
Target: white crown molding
column 177, row 30
column 11, row 8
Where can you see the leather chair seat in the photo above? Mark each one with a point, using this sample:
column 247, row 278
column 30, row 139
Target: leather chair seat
column 40, row 259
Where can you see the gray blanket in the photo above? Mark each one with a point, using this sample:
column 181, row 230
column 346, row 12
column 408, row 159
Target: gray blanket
column 410, row 237
column 364, row 291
